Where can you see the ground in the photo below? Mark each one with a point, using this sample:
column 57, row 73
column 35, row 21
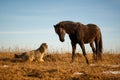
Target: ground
column 58, row 67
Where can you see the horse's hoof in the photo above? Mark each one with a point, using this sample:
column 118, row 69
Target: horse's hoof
column 87, row 62
column 71, row 61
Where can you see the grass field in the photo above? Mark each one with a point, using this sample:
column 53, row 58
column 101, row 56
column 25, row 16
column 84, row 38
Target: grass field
column 58, row 67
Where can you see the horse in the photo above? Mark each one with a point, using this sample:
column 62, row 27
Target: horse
column 81, row 34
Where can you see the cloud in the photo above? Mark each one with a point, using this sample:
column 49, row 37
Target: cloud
column 43, row 31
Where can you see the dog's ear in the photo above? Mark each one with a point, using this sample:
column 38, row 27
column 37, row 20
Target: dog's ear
column 42, row 49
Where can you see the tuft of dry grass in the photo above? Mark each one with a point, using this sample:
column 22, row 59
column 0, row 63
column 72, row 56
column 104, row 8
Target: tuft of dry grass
column 58, row 67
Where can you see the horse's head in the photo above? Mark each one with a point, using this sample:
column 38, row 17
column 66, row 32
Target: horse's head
column 60, row 31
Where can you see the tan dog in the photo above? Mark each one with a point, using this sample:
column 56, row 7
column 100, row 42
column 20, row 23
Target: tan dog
column 34, row 55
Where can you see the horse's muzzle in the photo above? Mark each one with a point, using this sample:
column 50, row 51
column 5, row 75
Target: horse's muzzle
column 62, row 40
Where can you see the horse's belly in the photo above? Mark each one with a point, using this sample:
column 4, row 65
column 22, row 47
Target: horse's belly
column 88, row 40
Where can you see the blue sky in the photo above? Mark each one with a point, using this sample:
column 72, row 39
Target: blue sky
column 28, row 23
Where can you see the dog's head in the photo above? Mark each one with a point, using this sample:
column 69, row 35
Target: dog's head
column 43, row 47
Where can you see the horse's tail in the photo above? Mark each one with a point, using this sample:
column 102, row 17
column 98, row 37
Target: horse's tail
column 100, row 46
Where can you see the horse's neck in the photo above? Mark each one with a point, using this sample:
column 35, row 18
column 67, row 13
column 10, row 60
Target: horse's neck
column 68, row 30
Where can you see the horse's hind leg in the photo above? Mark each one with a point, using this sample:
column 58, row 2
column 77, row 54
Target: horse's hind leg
column 94, row 51
column 97, row 48
column 84, row 52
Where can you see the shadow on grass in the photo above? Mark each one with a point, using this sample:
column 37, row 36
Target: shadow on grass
column 39, row 74
column 11, row 60
column 5, row 59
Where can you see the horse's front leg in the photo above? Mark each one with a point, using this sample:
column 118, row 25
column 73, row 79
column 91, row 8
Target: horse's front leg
column 73, row 50
column 84, row 52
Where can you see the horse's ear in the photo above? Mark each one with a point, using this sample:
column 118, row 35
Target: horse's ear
column 54, row 26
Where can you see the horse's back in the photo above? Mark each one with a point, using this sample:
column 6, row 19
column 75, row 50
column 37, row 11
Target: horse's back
column 92, row 26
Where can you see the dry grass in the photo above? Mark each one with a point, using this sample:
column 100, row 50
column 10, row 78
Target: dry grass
column 58, row 67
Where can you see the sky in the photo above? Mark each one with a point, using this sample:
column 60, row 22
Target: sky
column 25, row 24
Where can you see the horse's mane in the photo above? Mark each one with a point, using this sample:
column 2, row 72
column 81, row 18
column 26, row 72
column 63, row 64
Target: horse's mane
column 71, row 22
column 67, row 21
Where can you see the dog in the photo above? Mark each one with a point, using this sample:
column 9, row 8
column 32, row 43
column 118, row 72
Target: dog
column 34, row 55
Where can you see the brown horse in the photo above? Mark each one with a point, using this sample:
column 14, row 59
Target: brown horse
column 81, row 34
